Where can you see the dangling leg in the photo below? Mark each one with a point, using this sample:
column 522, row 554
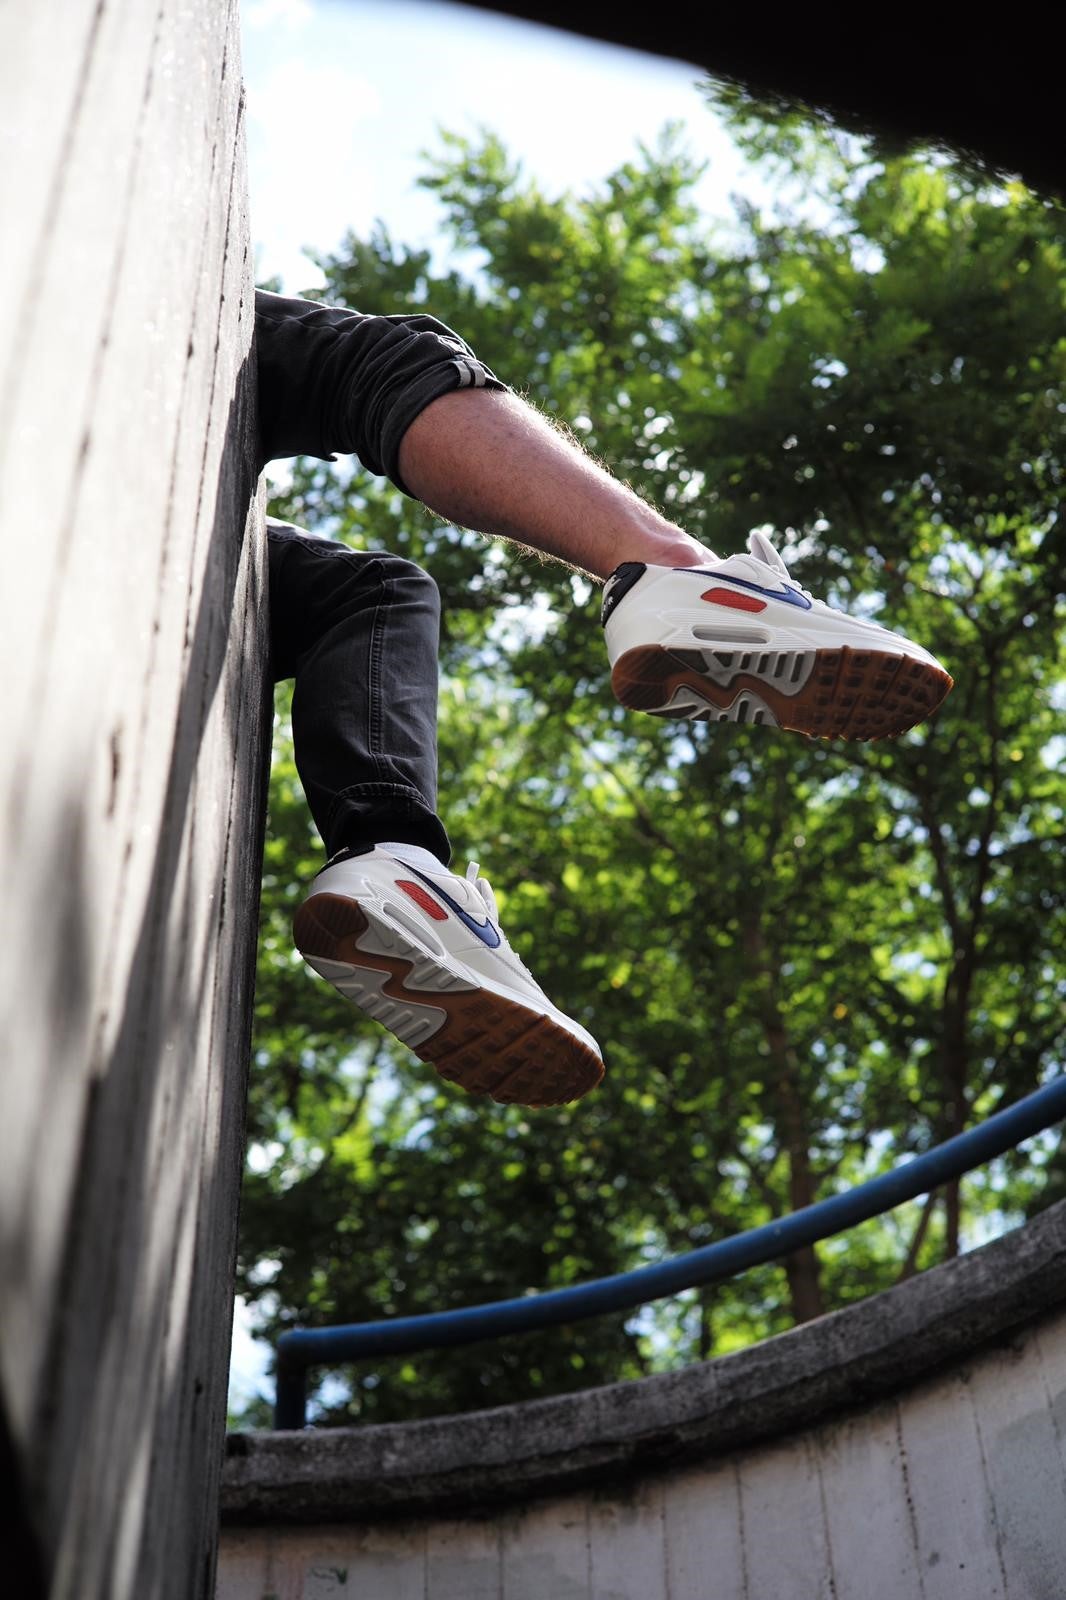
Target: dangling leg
column 386, row 923
column 359, row 633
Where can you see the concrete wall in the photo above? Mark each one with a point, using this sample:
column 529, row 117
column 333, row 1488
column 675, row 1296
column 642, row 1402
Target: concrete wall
column 956, row 1491
column 131, row 674
column 912, row 1447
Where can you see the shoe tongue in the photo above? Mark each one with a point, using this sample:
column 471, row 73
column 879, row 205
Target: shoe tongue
column 763, row 550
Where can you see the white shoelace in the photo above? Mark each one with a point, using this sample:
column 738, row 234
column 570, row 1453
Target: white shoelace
column 765, row 551
column 484, row 889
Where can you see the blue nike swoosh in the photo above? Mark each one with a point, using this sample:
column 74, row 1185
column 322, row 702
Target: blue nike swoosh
column 791, row 597
column 484, row 930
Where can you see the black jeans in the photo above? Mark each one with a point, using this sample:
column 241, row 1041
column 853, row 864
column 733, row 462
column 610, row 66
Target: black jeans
column 358, row 631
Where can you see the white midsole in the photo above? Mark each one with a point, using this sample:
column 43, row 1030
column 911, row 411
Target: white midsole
column 433, row 971
column 688, row 704
column 692, row 629
column 411, row 1022
column 658, row 610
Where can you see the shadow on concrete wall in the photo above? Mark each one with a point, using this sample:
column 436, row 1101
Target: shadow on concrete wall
column 110, row 1404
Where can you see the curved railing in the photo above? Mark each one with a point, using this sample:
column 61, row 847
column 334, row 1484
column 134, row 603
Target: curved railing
column 308, row 1347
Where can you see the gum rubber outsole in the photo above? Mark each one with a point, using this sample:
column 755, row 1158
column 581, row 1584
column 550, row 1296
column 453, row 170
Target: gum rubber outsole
column 849, row 694
column 487, row 1044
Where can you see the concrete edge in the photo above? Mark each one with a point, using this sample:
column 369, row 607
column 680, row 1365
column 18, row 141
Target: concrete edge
column 849, row 1358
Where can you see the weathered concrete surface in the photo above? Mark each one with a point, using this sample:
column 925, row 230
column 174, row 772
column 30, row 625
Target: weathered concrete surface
column 912, row 1445
column 131, row 660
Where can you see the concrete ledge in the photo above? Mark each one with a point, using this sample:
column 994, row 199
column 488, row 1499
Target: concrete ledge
column 848, row 1359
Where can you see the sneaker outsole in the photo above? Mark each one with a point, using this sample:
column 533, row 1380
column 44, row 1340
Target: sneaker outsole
column 483, row 1041
column 844, row 693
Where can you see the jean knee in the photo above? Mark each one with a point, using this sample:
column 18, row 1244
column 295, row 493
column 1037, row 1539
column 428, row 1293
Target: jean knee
column 413, row 582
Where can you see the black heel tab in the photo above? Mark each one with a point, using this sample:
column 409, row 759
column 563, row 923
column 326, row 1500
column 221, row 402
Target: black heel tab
column 619, row 584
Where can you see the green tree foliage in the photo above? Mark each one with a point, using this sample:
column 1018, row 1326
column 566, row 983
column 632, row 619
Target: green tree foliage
column 805, row 960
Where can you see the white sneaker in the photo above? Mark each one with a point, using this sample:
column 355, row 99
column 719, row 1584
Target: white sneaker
column 424, row 955
column 740, row 641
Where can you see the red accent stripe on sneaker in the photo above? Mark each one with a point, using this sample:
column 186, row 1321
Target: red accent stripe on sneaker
column 421, row 898
column 737, row 602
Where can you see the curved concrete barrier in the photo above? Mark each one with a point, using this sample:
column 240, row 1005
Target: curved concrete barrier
column 909, row 1445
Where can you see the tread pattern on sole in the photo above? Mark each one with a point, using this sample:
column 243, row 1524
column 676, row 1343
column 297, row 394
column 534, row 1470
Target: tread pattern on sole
column 484, row 1042
column 845, row 694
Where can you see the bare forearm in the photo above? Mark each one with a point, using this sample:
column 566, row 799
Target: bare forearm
column 486, row 460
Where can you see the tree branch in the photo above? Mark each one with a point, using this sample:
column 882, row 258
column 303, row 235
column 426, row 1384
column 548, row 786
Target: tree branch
column 911, row 1259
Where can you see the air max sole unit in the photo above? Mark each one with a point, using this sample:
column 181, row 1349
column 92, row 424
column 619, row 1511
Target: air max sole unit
column 423, row 954
column 740, row 641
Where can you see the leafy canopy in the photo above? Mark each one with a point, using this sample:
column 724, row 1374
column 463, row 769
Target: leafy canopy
column 804, row 960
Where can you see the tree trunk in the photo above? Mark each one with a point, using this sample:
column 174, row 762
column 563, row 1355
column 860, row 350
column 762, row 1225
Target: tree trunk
column 955, row 1067
column 802, row 1268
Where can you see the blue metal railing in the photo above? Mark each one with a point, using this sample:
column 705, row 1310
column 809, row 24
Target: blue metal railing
column 307, row 1347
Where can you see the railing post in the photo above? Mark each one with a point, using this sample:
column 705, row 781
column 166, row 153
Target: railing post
column 290, row 1403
